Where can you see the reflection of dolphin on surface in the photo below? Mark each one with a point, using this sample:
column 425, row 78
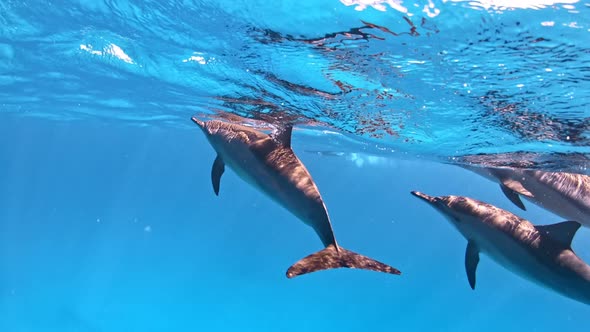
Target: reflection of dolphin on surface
column 565, row 194
column 268, row 163
column 358, row 158
column 541, row 254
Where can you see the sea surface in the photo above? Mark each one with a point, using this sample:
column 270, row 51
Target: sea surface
column 108, row 221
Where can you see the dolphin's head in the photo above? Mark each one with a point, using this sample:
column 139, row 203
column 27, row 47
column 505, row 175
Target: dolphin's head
column 202, row 124
column 454, row 208
column 209, row 127
column 435, row 202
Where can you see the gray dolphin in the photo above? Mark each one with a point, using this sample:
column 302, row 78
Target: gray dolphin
column 268, row 163
column 565, row 194
column 541, row 254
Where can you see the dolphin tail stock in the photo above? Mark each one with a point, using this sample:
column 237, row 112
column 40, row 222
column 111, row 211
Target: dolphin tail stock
column 333, row 257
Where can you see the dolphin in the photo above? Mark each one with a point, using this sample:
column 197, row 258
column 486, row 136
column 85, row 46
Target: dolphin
column 565, row 194
column 267, row 162
column 541, row 254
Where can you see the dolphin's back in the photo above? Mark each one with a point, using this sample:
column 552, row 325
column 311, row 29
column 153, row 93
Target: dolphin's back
column 565, row 194
column 566, row 189
column 571, row 185
column 514, row 228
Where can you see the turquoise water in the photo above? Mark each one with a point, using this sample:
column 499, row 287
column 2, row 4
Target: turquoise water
column 107, row 217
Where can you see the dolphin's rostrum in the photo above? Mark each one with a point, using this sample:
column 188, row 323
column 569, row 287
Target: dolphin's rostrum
column 268, row 163
column 542, row 254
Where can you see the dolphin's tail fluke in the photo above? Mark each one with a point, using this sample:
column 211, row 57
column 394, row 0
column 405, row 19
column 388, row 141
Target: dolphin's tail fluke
column 333, row 258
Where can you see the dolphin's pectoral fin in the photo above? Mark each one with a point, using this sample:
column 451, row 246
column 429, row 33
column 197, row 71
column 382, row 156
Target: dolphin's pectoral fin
column 283, row 135
column 512, row 196
column 562, row 232
column 471, row 261
column 332, row 258
column 516, row 186
column 216, row 172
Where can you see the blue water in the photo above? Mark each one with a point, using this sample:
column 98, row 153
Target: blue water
column 108, row 221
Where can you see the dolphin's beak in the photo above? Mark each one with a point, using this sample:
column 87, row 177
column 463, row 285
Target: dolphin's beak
column 198, row 122
column 425, row 197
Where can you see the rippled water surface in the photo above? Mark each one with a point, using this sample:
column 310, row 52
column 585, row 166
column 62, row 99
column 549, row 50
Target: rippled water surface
column 441, row 79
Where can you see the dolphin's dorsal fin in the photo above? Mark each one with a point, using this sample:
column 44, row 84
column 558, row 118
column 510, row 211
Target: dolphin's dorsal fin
column 516, row 186
column 562, row 232
column 283, row 135
column 512, row 196
column 216, row 173
column 471, row 261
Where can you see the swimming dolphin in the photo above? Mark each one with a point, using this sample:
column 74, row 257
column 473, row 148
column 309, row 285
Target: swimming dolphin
column 565, row 194
column 268, row 163
column 541, row 254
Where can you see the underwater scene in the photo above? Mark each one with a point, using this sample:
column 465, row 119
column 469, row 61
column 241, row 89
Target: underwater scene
column 312, row 165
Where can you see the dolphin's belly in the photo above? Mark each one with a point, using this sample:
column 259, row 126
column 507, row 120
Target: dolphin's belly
column 254, row 171
column 542, row 270
column 512, row 255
